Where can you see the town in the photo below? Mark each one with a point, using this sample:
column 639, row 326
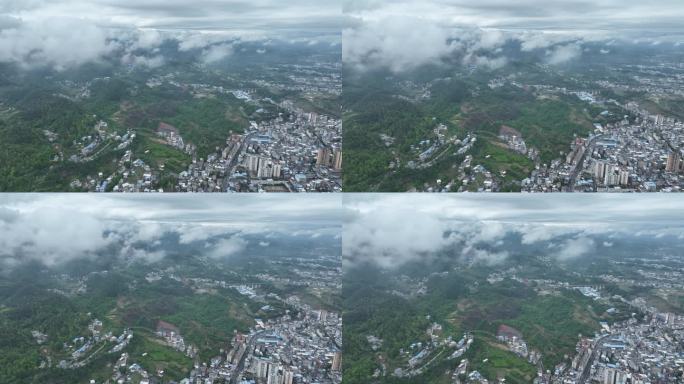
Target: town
column 295, row 150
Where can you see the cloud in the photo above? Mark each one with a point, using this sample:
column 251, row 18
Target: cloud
column 485, row 62
column 144, row 255
column 403, row 35
column 191, row 233
column 54, row 43
column 193, row 40
column 50, row 236
column 150, row 62
column 488, row 257
column 574, row 248
column 387, row 43
column 390, row 43
column 619, row 18
column 147, row 231
column 216, row 53
column 148, row 38
column 244, row 17
column 532, row 40
column 56, row 228
column 489, row 229
column 72, row 32
column 227, row 247
column 563, row 53
column 393, row 236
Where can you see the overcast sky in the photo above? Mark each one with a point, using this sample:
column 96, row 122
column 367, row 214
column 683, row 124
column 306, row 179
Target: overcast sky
column 244, row 16
column 399, row 228
column 404, row 34
column 612, row 16
column 59, row 227
column 66, row 33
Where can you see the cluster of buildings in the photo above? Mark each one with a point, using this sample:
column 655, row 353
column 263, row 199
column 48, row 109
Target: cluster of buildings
column 643, row 155
column 82, row 349
column 172, row 337
column 513, row 339
column 295, row 152
column 640, row 151
column 419, row 355
column 629, row 352
column 172, row 137
column 514, row 141
column 302, row 348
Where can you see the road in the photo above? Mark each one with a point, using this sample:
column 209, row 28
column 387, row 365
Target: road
column 580, row 164
column 587, row 368
column 241, row 364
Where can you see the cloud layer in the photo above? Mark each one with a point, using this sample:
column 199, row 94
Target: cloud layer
column 72, row 32
column 480, row 228
column 56, row 228
column 402, row 35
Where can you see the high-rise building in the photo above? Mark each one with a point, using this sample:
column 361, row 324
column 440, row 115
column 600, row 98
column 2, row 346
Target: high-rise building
column 599, row 171
column 262, row 368
column 275, row 375
column 277, row 171
column 624, row 177
column 611, row 177
column 323, row 157
column 337, row 362
column 252, row 163
column 288, row 377
column 673, row 162
column 337, row 159
column 265, row 168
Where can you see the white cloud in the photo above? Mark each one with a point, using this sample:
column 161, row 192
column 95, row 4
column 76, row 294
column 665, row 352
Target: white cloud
column 51, row 236
column 150, row 62
column 55, row 228
column 227, row 247
column 563, row 53
column 216, row 53
column 488, row 257
column 148, row 38
column 54, row 43
column 393, row 236
column 480, row 227
column 392, row 43
column 574, row 248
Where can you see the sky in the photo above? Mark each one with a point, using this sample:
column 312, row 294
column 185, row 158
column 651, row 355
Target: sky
column 394, row 229
column 68, row 33
column 404, row 34
column 55, row 228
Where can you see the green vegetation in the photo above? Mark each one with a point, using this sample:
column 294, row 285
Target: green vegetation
column 375, row 107
column 498, row 159
column 550, row 126
column 462, row 301
column 493, row 362
column 157, row 356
